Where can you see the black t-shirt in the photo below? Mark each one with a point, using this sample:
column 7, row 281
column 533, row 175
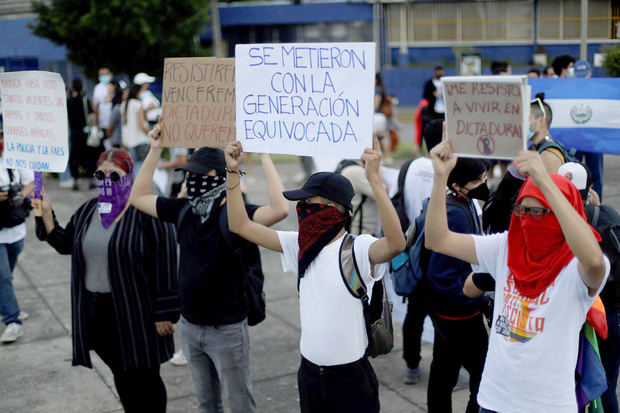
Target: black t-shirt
column 75, row 111
column 608, row 216
column 210, row 278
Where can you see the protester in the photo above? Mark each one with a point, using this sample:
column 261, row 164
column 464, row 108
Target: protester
column 433, row 94
column 15, row 187
column 607, row 218
column 214, row 326
column 564, row 66
column 548, row 269
column 417, row 188
column 114, row 131
column 365, row 216
column 123, row 284
column 500, row 68
column 497, row 212
column 134, row 128
column 150, row 104
column 384, row 121
column 548, row 72
column 534, row 72
column 178, row 159
column 79, row 110
column 460, row 335
column 335, row 374
column 101, row 99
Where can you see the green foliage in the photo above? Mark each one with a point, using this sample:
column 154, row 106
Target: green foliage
column 128, row 36
column 611, row 64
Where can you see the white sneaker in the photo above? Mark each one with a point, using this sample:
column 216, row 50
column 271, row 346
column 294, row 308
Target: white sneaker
column 178, row 359
column 11, row 333
column 23, row 315
column 66, row 184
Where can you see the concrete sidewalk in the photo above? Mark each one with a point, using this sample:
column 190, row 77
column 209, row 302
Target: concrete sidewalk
column 36, row 373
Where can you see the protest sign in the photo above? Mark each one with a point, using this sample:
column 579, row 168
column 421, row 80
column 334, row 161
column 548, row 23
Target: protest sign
column 198, row 102
column 34, row 113
column 305, row 99
column 487, row 116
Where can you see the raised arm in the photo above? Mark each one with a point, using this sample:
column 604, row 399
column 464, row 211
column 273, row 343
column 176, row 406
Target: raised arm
column 238, row 219
column 141, row 196
column 437, row 235
column 277, row 210
column 576, row 230
column 386, row 248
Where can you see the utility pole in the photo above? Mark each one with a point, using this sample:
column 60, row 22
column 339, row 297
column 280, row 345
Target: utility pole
column 584, row 30
column 377, row 32
column 216, row 30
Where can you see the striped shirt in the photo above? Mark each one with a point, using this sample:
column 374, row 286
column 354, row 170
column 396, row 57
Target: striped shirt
column 142, row 270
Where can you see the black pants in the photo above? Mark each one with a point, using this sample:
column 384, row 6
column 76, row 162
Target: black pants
column 140, row 390
column 344, row 388
column 457, row 343
column 82, row 155
column 417, row 310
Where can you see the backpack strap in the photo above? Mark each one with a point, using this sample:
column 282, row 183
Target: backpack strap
column 452, row 200
column 359, row 211
column 595, row 216
column 350, row 271
column 353, row 281
column 402, row 175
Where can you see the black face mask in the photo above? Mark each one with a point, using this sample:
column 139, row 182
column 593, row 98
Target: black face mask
column 480, row 192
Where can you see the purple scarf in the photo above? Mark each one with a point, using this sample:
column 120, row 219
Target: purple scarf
column 113, row 197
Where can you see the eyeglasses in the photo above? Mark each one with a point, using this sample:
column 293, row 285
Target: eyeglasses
column 100, row 175
column 535, row 212
column 540, row 105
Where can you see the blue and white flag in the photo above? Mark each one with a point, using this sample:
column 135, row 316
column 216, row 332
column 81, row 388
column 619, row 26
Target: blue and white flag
column 586, row 112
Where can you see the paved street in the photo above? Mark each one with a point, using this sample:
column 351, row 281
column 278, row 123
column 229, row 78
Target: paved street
column 36, row 373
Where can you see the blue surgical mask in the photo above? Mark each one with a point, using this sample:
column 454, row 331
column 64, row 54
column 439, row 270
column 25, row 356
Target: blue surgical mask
column 571, row 72
column 105, row 78
column 530, row 132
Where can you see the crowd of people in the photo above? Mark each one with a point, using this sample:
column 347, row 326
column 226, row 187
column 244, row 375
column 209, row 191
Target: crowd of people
column 510, row 272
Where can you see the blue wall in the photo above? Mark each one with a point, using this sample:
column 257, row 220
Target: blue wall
column 18, row 41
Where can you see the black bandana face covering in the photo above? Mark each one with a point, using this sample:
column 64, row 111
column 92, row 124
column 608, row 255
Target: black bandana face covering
column 205, row 192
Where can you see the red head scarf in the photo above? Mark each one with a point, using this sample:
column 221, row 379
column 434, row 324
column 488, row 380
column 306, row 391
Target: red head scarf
column 119, row 157
column 537, row 250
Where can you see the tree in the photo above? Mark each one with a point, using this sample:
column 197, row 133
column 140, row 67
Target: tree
column 611, row 64
column 126, row 36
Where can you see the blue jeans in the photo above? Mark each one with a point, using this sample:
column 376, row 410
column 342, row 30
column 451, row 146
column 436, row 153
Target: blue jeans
column 9, row 308
column 610, row 357
column 219, row 360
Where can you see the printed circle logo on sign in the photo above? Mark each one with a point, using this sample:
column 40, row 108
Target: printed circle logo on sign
column 486, row 145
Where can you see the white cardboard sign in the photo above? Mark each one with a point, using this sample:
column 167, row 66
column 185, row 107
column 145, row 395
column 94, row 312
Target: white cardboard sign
column 34, row 114
column 487, row 116
column 309, row 99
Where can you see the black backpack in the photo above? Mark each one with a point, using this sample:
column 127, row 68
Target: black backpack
column 248, row 257
column 610, row 244
column 398, row 200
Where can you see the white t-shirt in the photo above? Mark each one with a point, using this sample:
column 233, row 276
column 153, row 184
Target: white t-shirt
column 333, row 330
column 132, row 134
column 23, row 176
column 100, row 98
column 147, row 98
column 418, row 186
column 533, row 344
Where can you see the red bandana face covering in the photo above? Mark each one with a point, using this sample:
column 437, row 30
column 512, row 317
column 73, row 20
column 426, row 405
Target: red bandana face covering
column 537, row 250
column 318, row 225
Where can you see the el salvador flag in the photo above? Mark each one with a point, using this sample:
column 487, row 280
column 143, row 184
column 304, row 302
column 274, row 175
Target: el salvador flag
column 586, row 112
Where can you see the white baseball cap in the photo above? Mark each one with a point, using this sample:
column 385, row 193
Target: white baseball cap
column 142, row 78
column 578, row 175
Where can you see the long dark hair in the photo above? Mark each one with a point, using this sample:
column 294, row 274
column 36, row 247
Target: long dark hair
column 117, row 98
column 133, row 94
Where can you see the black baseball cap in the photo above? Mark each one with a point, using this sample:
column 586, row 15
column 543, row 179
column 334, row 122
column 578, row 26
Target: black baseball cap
column 203, row 160
column 329, row 185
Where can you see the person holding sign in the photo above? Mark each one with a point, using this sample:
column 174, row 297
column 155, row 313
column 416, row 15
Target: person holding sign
column 15, row 187
column 548, row 269
column 214, row 306
column 123, row 286
column 335, row 374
